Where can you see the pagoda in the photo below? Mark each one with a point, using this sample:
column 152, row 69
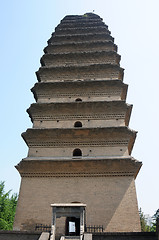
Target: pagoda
column 80, row 143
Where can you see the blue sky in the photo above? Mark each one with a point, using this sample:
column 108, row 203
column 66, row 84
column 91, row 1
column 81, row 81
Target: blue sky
column 25, row 28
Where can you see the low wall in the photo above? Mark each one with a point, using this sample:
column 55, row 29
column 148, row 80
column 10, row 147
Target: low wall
column 125, row 236
column 19, row 235
column 30, row 235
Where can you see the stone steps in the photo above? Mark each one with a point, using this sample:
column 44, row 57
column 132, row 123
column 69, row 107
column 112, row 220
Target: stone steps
column 70, row 238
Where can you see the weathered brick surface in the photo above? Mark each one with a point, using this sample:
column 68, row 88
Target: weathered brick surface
column 81, row 37
column 81, row 30
column 78, row 166
column 87, row 72
column 81, row 72
column 96, row 114
column 104, row 197
column 80, row 46
column 61, row 142
column 64, row 25
column 74, row 59
column 86, row 91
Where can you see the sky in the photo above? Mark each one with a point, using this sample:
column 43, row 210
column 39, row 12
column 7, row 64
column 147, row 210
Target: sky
column 25, row 28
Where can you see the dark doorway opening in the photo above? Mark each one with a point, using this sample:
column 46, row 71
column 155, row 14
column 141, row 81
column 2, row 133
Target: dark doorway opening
column 78, row 100
column 72, row 226
column 77, row 152
column 78, row 124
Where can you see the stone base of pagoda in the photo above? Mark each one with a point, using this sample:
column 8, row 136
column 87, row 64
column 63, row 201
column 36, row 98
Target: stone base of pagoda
column 103, row 185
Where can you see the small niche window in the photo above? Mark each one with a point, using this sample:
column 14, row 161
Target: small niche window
column 78, row 124
column 77, row 152
column 78, row 100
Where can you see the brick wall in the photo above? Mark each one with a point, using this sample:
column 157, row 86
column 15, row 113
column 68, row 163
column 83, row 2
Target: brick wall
column 105, row 198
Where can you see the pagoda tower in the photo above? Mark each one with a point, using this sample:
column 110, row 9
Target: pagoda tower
column 80, row 143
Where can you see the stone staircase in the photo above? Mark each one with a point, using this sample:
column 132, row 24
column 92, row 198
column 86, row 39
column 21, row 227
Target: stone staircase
column 70, row 238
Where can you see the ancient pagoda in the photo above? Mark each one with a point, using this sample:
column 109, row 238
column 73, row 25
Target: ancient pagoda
column 80, row 143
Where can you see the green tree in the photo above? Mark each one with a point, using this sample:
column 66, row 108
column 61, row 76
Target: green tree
column 144, row 226
column 154, row 221
column 148, row 224
column 7, row 208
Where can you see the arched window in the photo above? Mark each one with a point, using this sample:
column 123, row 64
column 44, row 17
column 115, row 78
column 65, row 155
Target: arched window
column 78, row 100
column 78, row 124
column 77, row 152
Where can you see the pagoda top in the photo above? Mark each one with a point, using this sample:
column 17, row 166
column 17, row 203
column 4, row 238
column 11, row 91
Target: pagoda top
column 89, row 14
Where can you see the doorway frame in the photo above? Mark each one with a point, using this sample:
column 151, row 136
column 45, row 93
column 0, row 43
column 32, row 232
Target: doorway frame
column 68, row 210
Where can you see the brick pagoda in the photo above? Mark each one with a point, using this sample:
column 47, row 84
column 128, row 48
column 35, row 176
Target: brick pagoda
column 80, row 143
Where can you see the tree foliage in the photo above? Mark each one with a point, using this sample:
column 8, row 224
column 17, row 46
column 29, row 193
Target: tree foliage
column 148, row 225
column 7, row 208
column 154, row 221
column 144, row 226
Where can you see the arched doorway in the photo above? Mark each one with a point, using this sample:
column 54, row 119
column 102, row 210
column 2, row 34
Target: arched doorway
column 77, row 152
